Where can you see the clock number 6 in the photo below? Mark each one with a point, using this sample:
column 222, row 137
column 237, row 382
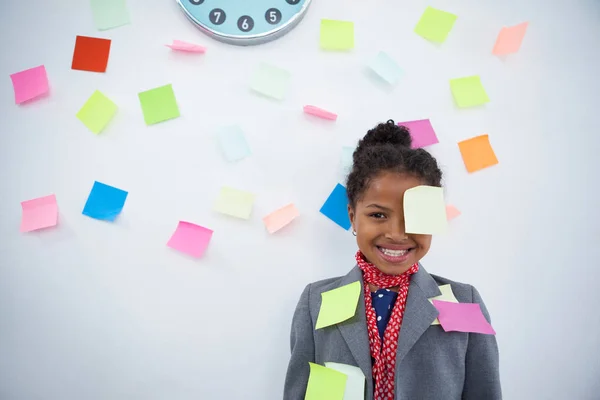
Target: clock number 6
column 245, row 23
column 273, row 16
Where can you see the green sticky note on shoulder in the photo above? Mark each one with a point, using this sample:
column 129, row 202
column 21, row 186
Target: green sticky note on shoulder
column 325, row 383
column 338, row 305
column 234, row 202
column 435, row 25
column 270, row 81
column 337, row 35
column 97, row 112
column 447, row 295
column 469, row 91
column 425, row 210
column 159, row 104
column 109, row 14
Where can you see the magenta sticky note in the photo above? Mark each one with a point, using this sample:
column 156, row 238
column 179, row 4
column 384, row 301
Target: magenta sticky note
column 39, row 213
column 29, row 84
column 319, row 112
column 190, row 238
column 462, row 317
column 179, row 45
column 422, row 133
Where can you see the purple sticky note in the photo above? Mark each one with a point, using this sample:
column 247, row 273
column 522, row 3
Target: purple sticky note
column 29, row 84
column 190, row 238
column 39, row 213
column 422, row 133
column 462, row 317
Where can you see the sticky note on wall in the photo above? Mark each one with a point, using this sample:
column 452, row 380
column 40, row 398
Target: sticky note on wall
column 325, row 383
column 280, row 218
column 387, row 69
column 104, row 202
column 435, row 25
column 338, row 305
column 97, row 112
column 30, row 84
column 336, row 207
column 233, row 143
column 270, row 81
column 425, row 210
column 39, row 213
column 468, row 91
column 91, row 54
column 159, row 104
column 190, row 238
column 477, row 153
column 421, row 132
column 336, row 35
column 109, row 14
column 234, row 202
column 509, row 39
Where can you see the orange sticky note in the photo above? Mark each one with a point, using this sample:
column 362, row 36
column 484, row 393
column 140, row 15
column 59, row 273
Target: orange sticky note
column 451, row 212
column 280, row 218
column 91, row 54
column 477, row 153
column 509, row 39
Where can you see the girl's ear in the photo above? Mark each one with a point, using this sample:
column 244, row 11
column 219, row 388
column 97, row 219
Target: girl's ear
column 351, row 215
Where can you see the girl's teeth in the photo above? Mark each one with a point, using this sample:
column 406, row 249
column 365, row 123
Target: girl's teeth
column 393, row 253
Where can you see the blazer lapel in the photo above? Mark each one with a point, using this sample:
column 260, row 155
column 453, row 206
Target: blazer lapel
column 354, row 330
column 419, row 313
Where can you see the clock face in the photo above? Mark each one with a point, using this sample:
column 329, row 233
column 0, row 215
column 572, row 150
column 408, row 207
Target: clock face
column 245, row 22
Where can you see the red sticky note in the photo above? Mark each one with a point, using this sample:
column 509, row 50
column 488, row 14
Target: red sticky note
column 462, row 317
column 509, row 39
column 421, row 132
column 29, row 84
column 190, row 238
column 39, row 213
column 91, row 54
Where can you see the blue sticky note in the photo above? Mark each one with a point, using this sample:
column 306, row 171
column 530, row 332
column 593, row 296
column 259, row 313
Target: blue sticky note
column 336, row 207
column 233, row 143
column 384, row 66
column 104, row 202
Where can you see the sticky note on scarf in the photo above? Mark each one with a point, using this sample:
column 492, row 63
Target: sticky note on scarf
column 325, row 383
column 338, row 305
column 447, row 295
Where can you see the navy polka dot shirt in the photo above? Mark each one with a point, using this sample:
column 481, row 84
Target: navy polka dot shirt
column 383, row 301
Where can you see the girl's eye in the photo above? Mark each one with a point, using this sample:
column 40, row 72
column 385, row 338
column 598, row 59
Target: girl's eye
column 377, row 215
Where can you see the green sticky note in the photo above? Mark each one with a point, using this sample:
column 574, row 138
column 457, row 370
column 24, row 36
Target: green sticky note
column 469, row 91
column 109, row 14
column 435, row 25
column 337, row 35
column 234, row 202
column 425, row 210
column 325, row 383
column 270, row 81
column 97, row 112
column 159, row 104
column 338, row 305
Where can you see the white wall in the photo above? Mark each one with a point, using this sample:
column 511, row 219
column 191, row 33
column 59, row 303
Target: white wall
column 93, row 310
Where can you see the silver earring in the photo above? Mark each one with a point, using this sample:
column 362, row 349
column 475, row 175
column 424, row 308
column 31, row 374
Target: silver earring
column 354, row 233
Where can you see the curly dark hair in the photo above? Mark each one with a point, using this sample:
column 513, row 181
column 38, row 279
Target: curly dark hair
column 387, row 148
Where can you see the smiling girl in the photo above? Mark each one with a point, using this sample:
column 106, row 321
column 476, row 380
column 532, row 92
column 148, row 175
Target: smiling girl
column 391, row 337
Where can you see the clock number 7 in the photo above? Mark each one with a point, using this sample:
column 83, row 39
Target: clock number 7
column 217, row 16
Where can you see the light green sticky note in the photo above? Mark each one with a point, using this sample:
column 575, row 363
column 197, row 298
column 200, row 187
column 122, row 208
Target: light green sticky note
column 337, row 35
column 338, row 305
column 234, row 202
column 447, row 295
column 270, row 81
column 97, row 112
column 435, row 25
column 425, row 210
column 109, row 14
column 159, row 104
column 468, row 91
column 325, row 383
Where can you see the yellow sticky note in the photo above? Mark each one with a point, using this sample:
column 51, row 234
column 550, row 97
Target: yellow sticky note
column 468, row 91
column 435, row 25
column 280, row 218
column 234, row 202
column 477, row 153
column 509, row 39
column 97, row 112
column 337, row 35
column 447, row 295
column 425, row 210
column 355, row 384
column 325, row 383
column 338, row 305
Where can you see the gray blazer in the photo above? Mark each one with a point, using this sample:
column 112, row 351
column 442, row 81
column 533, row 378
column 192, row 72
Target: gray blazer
column 430, row 364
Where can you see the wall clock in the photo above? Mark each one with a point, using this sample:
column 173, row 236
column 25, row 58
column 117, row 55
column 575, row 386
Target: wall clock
column 245, row 22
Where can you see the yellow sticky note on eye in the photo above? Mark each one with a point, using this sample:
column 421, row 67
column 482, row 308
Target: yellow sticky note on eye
column 425, row 210
column 447, row 295
column 338, row 305
column 337, row 35
column 234, row 202
column 435, row 25
column 468, row 91
column 97, row 112
column 325, row 383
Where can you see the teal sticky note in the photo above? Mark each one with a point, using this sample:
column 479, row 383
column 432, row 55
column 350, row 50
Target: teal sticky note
column 384, row 66
column 336, row 207
column 105, row 202
column 233, row 143
column 109, row 14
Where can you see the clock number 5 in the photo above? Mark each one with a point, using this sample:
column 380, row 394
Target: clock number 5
column 217, row 16
column 273, row 16
column 245, row 23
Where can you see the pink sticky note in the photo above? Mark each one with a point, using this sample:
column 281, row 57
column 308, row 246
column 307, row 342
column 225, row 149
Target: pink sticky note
column 280, row 218
column 39, row 213
column 509, row 39
column 319, row 112
column 190, row 238
column 179, row 45
column 451, row 212
column 422, row 133
column 29, row 84
column 462, row 317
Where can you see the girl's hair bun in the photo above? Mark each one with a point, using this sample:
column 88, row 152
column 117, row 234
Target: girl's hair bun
column 387, row 133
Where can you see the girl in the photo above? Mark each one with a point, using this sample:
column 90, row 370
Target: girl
column 391, row 337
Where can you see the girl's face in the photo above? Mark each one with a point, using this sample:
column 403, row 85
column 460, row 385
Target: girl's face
column 378, row 219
